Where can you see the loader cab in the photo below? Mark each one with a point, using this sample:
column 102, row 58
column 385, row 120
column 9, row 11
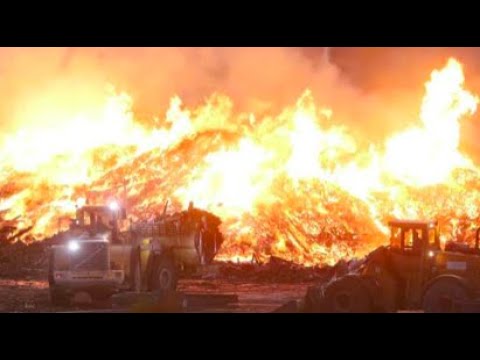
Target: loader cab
column 101, row 218
column 413, row 245
column 412, row 237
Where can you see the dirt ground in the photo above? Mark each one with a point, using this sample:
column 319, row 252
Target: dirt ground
column 31, row 295
column 24, row 296
column 257, row 287
column 251, row 297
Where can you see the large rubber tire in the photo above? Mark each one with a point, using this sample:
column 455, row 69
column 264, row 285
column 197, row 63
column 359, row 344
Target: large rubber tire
column 57, row 298
column 136, row 275
column 104, row 302
column 165, row 275
column 348, row 295
column 441, row 296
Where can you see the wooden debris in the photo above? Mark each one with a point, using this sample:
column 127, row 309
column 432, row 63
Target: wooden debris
column 275, row 271
column 209, row 300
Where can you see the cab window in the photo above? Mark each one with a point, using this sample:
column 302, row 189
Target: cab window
column 87, row 219
column 396, row 240
column 432, row 237
column 413, row 240
column 104, row 219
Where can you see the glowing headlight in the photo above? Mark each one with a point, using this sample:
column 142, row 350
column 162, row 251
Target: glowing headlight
column 431, row 253
column 73, row 246
column 113, row 206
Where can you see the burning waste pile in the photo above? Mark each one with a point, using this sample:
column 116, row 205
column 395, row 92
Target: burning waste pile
column 292, row 186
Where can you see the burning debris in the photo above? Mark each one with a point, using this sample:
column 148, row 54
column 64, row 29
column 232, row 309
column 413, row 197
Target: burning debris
column 292, row 185
column 297, row 199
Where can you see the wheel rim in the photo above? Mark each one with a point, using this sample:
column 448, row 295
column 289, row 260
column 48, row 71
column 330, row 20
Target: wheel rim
column 342, row 301
column 164, row 278
column 445, row 297
column 445, row 303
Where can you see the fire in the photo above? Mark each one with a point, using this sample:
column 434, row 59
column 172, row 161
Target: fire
column 231, row 177
column 293, row 184
column 427, row 154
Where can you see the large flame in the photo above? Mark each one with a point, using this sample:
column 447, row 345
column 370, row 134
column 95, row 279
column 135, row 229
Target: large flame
column 293, row 184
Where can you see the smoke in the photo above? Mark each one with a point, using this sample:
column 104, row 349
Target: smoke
column 372, row 92
column 397, row 75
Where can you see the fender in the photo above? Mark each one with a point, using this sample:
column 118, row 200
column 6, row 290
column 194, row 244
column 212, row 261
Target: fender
column 152, row 261
column 462, row 281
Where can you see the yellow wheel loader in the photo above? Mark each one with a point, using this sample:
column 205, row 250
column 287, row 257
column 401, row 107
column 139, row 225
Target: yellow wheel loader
column 413, row 273
column 103, row 254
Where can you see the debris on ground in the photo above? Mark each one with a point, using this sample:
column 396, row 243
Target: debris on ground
column 313, row 301
column 172, row 302
column 315, row 295
column 202, row 301
column 29, row 262
column 276, row 270
column 20, row 260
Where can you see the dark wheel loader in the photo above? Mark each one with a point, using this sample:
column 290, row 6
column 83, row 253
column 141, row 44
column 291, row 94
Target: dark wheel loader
column 413, row 273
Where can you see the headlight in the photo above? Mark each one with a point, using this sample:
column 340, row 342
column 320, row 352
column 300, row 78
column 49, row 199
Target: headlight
column 113, row 206
column 431, row 254
column 73, row 246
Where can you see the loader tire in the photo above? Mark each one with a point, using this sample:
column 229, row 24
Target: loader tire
column 314, row 301
column 136, row 274
column 441, row 296
column 348, row 295
column 104, row 302
column 58, row 299
column 165, row 275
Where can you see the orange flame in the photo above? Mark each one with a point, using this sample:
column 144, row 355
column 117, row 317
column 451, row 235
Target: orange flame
column 293, row 185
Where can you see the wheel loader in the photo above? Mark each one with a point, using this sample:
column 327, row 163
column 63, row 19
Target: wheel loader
column 412, row 273
column 103, row 254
